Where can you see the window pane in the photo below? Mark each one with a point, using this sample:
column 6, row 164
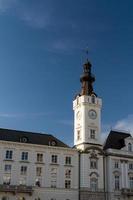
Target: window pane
column 39, row 157
column 24, row 156
column 54, row 159
column 117, row 183
column 9, row 154
column 94, row 184
column 68, row 160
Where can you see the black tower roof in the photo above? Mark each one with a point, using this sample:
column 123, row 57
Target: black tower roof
column 115, row 140
column 87, row 79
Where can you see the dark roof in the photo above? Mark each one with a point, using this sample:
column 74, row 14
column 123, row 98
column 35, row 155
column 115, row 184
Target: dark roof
column 115, row 140
column 30, row 137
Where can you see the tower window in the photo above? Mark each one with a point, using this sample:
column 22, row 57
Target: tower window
column 92, row 133
column 78, row 135
column 93, row 100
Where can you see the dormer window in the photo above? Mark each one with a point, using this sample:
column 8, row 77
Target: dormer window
column 129, row 147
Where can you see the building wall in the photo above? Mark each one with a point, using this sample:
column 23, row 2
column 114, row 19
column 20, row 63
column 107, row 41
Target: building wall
column 120, row 163
column 50, row 171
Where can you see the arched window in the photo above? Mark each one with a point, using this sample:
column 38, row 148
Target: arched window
column 129, row 147
column 93, row 184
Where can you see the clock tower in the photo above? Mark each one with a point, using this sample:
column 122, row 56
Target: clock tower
column 87, row 112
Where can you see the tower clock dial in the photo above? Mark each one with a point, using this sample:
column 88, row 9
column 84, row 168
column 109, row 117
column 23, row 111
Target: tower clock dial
column 92, row 114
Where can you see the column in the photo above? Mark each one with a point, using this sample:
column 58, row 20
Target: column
column 122, row 174
column 126, row 174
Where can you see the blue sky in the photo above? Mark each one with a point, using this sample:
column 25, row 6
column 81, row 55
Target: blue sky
column 41, row 55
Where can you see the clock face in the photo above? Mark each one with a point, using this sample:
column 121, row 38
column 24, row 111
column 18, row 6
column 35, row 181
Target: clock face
column 92, row 114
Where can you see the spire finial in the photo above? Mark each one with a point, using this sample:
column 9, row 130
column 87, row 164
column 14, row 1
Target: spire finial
column 86, row 54
column 87, row 77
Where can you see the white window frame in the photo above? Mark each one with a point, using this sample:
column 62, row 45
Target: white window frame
column 24, row 156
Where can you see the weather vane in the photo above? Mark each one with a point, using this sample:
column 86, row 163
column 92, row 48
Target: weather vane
column 86, row 51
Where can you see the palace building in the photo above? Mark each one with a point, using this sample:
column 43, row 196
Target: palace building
column 36, row 166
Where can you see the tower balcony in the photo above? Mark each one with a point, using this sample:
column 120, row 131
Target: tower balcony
column 127, row 192
column 16, row 189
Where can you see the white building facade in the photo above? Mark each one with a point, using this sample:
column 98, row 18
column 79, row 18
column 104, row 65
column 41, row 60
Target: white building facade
column 36, row 166
column 37, row 172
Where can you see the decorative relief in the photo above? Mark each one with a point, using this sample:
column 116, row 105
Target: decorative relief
column 93, row 154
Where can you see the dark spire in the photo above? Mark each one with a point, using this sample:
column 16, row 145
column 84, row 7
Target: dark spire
column 87, row 80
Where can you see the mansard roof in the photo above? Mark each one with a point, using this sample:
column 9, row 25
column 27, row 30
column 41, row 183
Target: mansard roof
column 30, row 137
column 115, row 140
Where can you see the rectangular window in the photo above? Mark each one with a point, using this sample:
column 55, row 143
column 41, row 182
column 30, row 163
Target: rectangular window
column 117, row 182
column 116, row 164
column 23, row 170
column 9, row 154
column 92, row 133
column 78, row 135
column 54, row 173
column 131, row 166
column 68, row 160
column 54, row 159
column 38, row 171
column 53, row 183
column 22, row 181
column 24, row 156
column 67, row 184
column 93, row 163
column 39, row 157
column 38, row 182
column 68, row 173
column 53, row 177
column 94, row 184
column 131, row 182
column 6, row 180
column 8, row 168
